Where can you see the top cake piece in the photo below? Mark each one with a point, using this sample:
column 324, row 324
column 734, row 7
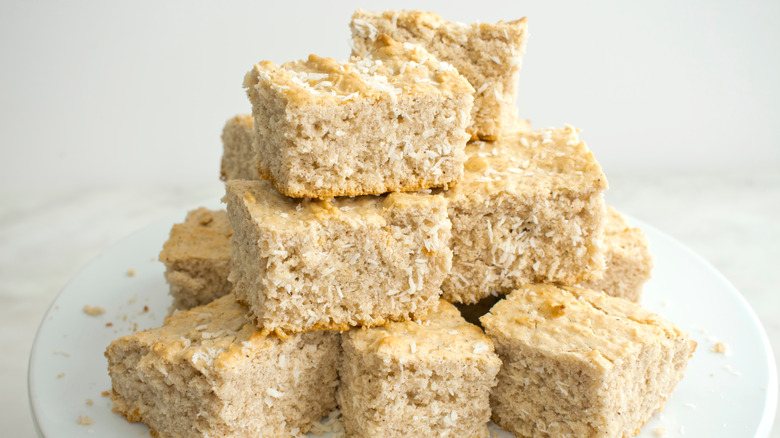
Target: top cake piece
column 394, row 120
column 488, row 55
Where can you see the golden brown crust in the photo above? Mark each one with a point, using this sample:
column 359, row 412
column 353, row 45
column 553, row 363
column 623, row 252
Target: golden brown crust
column 406, row 67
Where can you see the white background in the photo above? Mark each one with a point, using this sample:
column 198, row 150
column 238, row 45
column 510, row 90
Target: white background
column 111, row 113
column 128, row 93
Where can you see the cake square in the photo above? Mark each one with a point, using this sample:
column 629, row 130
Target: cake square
column 530, row 209
column 208, row 372
column 578, row 362
column 417, row 379
column 197, row 258
column 393, row 120
column 311, row 264
column 488, row 55
column 238, row 155
column 627, row 259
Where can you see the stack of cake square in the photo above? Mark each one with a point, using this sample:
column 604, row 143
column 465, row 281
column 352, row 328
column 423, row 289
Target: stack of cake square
column 364, row 199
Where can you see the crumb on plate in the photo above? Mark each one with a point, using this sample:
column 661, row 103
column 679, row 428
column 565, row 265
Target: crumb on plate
column 720, row 347
column 94, row 310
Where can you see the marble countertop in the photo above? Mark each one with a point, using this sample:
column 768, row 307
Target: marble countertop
column 46, row 238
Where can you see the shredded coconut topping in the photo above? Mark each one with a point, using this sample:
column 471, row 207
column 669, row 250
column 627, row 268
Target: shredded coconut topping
column 481, row 347
column 273, row 392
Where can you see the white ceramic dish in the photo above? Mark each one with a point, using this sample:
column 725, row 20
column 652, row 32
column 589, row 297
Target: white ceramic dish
column 722, row 395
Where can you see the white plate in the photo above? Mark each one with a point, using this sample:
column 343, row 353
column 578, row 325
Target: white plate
column 732, row 395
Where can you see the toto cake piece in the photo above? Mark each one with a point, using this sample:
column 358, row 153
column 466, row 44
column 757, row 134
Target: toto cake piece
column 392, row 121
column 530, row 209
column 238, row 160
column 238, row 156
column 208, row 372
column 309, row 265
column 628, row 259
column 197, row 258
column 409, row 379
column 628, row 265
column 488, row 55
column 581, row 363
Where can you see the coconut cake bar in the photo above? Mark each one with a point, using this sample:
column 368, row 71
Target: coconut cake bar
column 208, row 371
column 197, row 258
column 311, row 264
column 581, row 363
column 409, row 379
column 627, row 259
column 392, row 120
column 530, row 209
column 238, row 156
column 488, row 55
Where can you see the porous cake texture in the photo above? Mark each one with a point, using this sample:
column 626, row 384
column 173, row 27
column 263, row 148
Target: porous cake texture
column 238, row 155
column 581, row 363
column 393, row 120
column 208, row 372
column 488, row 55
column 627, row 258
column 408, row 379
column 197, row 258
column 530, row 209
column 308, row 264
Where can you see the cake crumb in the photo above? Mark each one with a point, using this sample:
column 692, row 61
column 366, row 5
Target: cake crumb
column 94, row 310
column 62, row 353
column 89, row 402
column 60, row 375
column 105, row 393
column 720, row 347
column 109, row 324
column 131, row 272
column 84, row 421
column 146, row 309
column 660, row 431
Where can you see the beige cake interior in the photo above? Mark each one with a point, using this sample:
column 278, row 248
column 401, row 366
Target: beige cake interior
column 578, row 362
column 209, row 372
column 488, row 55
column 363, row 261
column 197, row 258
column 417, row 379
column 530, row 209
